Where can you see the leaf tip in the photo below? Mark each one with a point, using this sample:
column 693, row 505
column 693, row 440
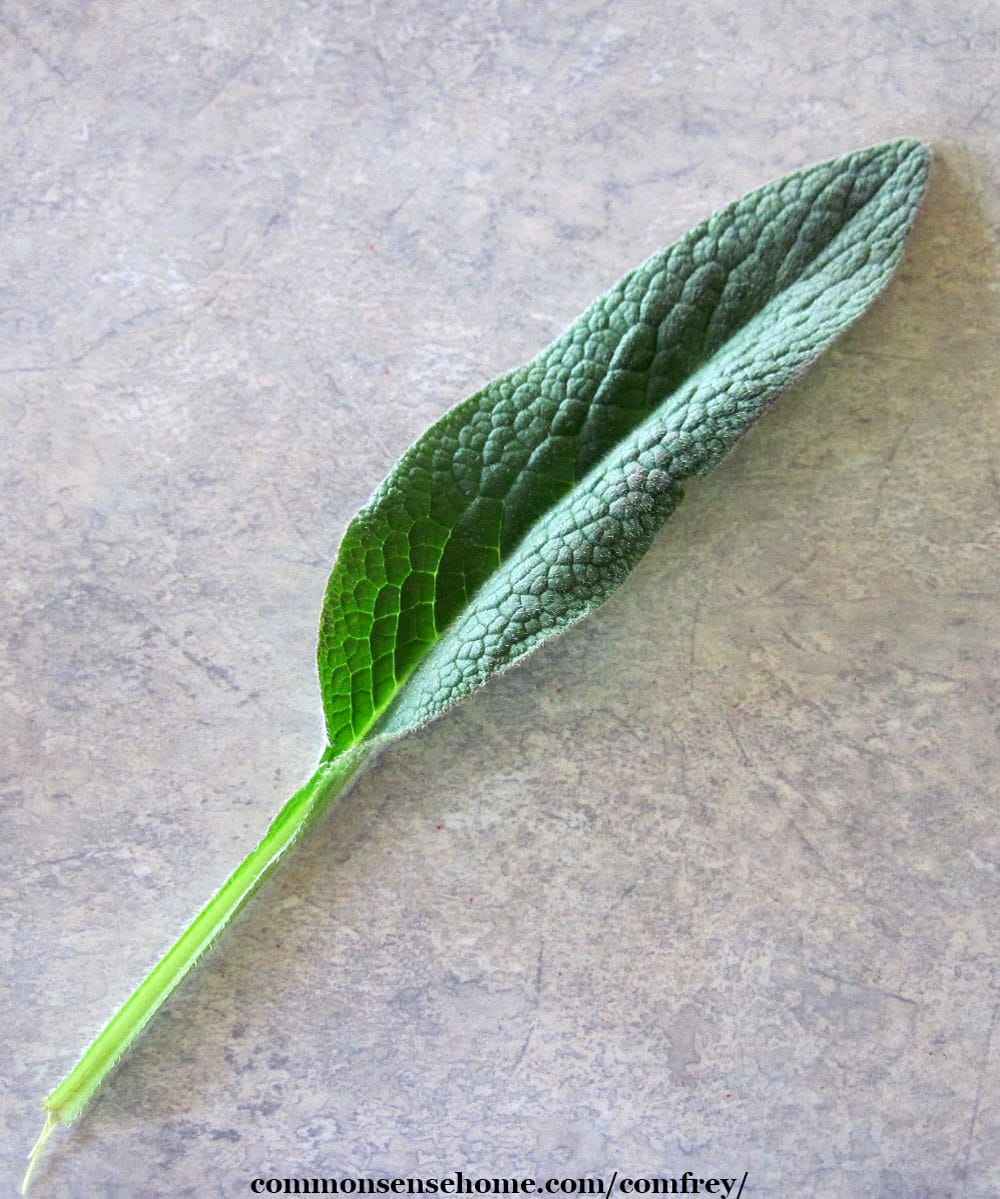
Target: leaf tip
column 915, row 154
column 920, row 152
column 906, row 161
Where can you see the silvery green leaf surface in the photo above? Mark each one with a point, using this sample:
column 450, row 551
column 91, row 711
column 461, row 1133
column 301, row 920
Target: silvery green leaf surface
column 524, row 507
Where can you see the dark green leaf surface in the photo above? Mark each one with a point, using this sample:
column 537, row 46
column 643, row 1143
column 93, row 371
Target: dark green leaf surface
column 524, row 507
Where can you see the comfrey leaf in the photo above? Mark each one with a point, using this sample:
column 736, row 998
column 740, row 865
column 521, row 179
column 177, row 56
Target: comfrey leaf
column 523, row 508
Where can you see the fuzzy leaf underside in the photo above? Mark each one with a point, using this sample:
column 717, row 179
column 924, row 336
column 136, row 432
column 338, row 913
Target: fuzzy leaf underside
column 524, row 507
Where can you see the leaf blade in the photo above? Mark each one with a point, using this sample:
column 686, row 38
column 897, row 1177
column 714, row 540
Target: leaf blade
column 525, row 506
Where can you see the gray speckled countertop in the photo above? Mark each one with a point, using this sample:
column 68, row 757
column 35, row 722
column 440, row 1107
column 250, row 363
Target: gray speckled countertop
column 711, row 884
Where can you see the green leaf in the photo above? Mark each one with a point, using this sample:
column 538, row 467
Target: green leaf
column 523, row 508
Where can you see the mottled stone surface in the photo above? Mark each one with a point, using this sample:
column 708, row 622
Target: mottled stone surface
column 710, row 884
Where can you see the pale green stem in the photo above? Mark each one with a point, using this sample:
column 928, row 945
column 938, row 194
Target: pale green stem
column 71, row 1095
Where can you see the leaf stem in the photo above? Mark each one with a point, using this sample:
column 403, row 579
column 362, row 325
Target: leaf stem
column 65, row 1103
